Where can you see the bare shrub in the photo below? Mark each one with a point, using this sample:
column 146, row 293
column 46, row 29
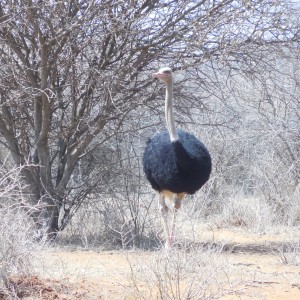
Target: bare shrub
column 293, row 208
column 252, row 213
column 194, row 274
column 289, row 254
column 16, row 242
column 18, row 230
column 69, row 84
column 108, row 222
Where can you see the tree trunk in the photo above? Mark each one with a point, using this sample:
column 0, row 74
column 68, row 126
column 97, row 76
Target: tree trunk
column 53, row 216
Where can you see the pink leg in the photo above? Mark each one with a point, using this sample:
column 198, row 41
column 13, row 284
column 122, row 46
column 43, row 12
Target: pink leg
column 164, row 213
column 177, row 204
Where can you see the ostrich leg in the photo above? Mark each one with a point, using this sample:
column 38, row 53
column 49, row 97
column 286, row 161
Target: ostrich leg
column 164, row 213
column 177, row 204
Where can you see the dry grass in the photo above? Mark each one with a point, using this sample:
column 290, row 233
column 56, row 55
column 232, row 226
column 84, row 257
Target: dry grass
column 253, row 213
column 289, row 254
column 22, row 287
column 18, row 252
column 194, row 273
column 206, row 263
column 247, row 268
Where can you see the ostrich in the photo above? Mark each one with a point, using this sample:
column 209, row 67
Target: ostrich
column 174, row 161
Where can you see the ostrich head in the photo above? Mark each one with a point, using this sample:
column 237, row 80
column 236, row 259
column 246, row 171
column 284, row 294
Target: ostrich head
column 164, row 75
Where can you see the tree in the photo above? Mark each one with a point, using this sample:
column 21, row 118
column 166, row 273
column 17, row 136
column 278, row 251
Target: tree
column 72, row 72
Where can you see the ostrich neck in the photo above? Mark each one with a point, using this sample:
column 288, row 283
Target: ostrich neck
column 169, row 112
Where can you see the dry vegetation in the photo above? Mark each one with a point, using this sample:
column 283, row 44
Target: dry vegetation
column 212, row 260
column 73, row 128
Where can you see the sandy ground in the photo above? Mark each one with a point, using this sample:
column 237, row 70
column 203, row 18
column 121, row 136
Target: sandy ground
column 252, row 264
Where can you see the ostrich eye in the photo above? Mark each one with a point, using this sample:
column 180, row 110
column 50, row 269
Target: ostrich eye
column 167, row 72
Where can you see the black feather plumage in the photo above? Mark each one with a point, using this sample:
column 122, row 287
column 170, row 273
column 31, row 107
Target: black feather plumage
column 180, row 166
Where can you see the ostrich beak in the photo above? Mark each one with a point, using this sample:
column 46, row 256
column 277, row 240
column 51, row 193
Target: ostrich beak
column 155, row 75
column 161, row 76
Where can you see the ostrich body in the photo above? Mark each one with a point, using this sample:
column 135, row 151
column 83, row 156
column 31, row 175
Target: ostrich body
column 175, row 162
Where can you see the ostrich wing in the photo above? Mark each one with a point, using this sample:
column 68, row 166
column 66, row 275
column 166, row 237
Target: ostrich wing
column 189, row 152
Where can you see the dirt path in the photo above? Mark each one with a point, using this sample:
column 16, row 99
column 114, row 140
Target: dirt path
column 253, row 267
column 107, row 275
